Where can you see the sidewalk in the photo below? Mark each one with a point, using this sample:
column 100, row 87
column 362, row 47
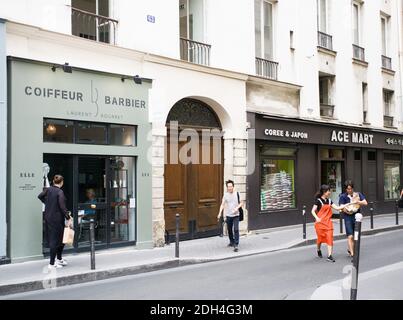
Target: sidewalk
column 34, row 275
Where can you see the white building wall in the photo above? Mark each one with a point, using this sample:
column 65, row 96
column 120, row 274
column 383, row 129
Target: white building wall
column 53, row 15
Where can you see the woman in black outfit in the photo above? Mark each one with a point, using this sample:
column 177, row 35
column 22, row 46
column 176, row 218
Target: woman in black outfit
column 55, row 215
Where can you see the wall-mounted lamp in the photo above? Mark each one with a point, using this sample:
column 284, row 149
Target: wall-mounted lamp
column 136, row 79
column 66, row 68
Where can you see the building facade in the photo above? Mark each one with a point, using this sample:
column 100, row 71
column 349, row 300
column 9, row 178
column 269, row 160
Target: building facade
column 165, row 72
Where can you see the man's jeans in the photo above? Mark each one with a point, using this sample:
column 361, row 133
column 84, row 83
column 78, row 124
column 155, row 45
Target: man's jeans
column 233, row 230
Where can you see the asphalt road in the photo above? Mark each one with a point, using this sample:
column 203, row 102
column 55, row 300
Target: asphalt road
column 289, row 274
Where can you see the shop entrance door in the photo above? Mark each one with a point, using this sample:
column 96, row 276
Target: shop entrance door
column 332, row 174
column 102, row 188
column 193, row 188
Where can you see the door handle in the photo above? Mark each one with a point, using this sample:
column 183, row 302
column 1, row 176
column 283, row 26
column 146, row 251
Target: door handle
column 173, row 207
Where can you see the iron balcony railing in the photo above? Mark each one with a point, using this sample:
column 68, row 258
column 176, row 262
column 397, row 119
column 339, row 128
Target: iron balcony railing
column 195, row 52
column 325, row 41
column 386, row 63
column 92, row 26
column 326, row 110
column 266, row 68
column 358, row 53
column 388, row 121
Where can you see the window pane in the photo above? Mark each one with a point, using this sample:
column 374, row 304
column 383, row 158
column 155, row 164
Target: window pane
column 123, row 196
column 196, row 20
column 183, row 19
column 268, row 31
column 122, row 135
column 322, row 16
column 91, row 133
column 258, row 28
column 355, row 24
column 277, row 188
column 392, row 180
column 58, row 131
column 383, row 25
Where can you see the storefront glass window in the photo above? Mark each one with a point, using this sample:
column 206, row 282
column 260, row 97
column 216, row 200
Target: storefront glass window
column 91, row 133
column 122, row 135
column 277, row 190
column 392, row 179
column 60, row 131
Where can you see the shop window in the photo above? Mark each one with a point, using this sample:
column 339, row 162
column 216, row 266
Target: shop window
column 371, row 155
column 60, row 131
column 65, row 131
column 277, row 184
column 392, row 179
column 122, row 135
column 91, row 133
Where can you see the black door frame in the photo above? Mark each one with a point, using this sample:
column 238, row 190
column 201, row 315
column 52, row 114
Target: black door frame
column 108, row 244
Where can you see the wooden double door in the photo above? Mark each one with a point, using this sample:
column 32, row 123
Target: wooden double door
column 194, row 189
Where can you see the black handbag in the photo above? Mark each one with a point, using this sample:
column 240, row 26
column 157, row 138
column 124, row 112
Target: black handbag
column 240, row 209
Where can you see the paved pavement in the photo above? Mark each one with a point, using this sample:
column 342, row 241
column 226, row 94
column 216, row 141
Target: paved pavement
column 34, row 275
column 288, row 274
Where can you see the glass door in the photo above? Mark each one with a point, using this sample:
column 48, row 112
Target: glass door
column 92, row 200
column 122, row 199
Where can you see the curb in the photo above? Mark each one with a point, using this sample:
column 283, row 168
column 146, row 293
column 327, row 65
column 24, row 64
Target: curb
column 92, row 276
column 343, row 236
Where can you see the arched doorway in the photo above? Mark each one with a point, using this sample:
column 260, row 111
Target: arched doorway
column 193, row 188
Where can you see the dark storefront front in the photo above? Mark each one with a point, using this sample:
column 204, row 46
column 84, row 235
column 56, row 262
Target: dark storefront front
column 294, row 157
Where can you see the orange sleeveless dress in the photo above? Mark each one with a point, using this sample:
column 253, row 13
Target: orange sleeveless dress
column 324, row 229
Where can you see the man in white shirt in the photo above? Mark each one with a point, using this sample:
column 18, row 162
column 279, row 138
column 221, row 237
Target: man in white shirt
column 231, row 205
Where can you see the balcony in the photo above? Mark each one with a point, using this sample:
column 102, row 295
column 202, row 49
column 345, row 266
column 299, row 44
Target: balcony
column 386, row 63
column 388, row 121
column 325, row 41
column 358, row 53
column 266, row 68
column 326, row 110
column 91, row 26
column 195, row 52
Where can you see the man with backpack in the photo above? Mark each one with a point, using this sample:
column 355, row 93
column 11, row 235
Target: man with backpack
column 232, row 207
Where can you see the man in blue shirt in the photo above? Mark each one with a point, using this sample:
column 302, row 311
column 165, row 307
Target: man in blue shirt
column 349, row 212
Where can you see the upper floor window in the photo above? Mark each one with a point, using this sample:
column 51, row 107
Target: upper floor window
column 191, row 25
column 322, row 15
column 264, row 33
column 191, row 15
column 388, row 108
column 90, row 19
column 385, row 34
column 356, row 23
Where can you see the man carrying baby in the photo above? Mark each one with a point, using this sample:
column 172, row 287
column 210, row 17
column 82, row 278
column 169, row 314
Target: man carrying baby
column 357, row 199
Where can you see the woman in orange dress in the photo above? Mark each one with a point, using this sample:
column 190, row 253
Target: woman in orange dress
column 322, row 211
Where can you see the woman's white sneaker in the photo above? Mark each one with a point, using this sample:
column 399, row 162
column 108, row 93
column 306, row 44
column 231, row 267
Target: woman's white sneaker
column 62, row 262
column 54, row 266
